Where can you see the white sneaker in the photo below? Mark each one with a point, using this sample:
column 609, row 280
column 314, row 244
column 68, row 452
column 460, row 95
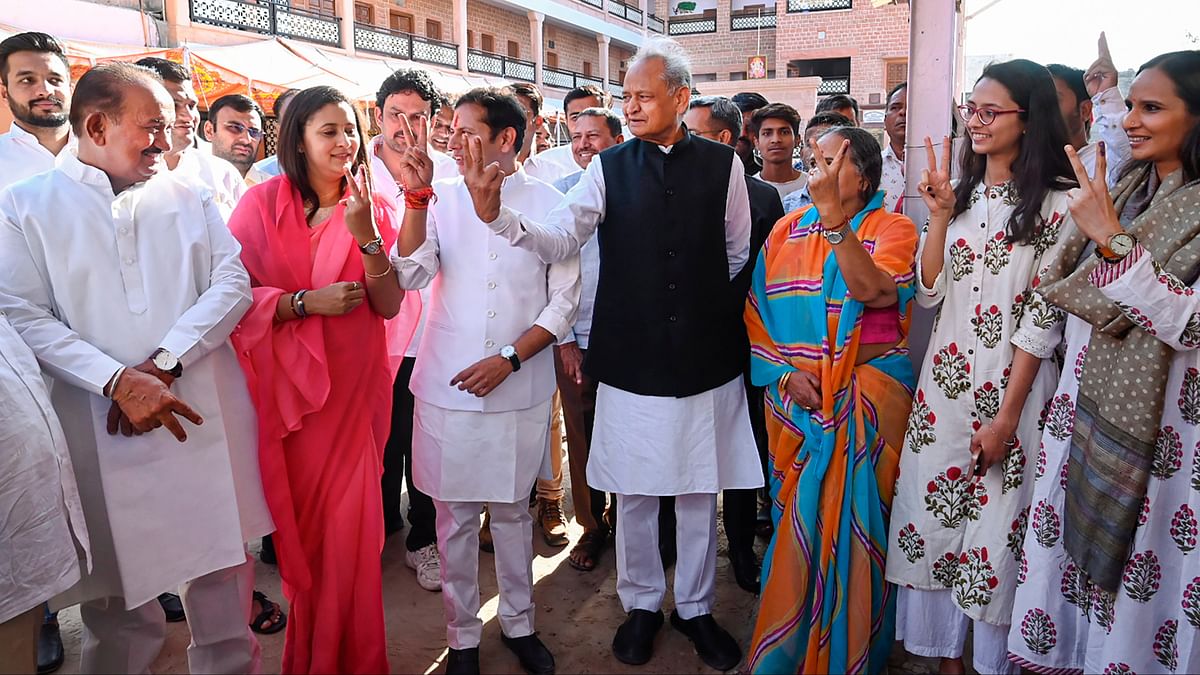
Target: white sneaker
column 428, row 565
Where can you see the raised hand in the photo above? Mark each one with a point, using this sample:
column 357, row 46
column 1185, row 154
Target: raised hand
column 935, row 188
column 335, row 299
column 483, row 181
column 415, row 166
column 359, row 215
column 823, row 185
column 1090, row 204
column 147, row 404
column 482, row 377
column 1102, row 74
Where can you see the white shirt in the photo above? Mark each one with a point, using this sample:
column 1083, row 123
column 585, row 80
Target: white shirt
column 103, row 284
column 786, row 188
column 218, row 175
column 589, row 272
column 1108, row 110
column 43, row 520
column 891, row 181
column 552, row 165
column 22, row 156
column 484, row 294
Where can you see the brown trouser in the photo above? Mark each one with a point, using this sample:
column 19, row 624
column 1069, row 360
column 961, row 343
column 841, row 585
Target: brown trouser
column 579, row 412
column 18, row 642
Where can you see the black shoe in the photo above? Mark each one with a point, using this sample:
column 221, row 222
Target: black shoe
column 50, row 648
column 534, row 656
column 746, row 570
column 172, row 607
column 463, row 662
column 634, row 641
column 715, row 646
column 267, row 555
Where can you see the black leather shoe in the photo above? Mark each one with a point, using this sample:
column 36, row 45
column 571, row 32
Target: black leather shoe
column 50, row 648
column 463, row 662
column 534, row 657
column 634, row 641
column 746, row 570
column 172, row 607
column 715, row 646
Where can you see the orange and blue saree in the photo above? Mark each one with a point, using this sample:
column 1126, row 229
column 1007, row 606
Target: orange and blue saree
column 825, row 605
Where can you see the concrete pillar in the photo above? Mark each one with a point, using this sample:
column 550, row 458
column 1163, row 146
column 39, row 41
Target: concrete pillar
column 536, row 20
column 345, row 10
column 460, row 32
column 603, row 41
column 179, row 20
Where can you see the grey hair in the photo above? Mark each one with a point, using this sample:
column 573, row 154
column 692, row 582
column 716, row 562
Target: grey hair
column 864, row 152
column 677, row 67
column 723, row 111
column 610, row 118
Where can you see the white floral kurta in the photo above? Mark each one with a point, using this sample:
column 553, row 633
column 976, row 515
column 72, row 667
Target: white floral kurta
column 1061, row 622
column 949, row 530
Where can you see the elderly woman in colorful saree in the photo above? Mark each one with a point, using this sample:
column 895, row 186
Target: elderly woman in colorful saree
column 828, row 322
column 314, row 349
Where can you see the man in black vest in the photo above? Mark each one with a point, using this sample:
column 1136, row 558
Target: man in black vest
column 668, row 345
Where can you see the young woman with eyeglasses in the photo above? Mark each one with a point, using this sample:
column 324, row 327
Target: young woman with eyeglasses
column 966, row 470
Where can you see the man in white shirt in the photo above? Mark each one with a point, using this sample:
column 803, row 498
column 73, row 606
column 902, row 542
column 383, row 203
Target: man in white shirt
column 668, row 344
column 268, row 167
column 35, row 80
column 775, row 130
column 559, row 162
column 235, row 130
column 895, row 125
column 439, row 126
column 407, row 99
column 119, row 295
column 483, row 378
column 1092, row 105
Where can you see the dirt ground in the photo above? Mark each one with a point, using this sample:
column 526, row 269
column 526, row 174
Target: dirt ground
column 577, row 613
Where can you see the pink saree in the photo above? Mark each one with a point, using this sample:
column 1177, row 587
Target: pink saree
column 322, row 387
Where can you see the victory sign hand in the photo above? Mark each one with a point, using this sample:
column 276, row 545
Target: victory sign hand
column 935, row 188
column 483, row 182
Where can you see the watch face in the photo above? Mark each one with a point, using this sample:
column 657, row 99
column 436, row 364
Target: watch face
column 165, row 360
column 508, row 352
column 834, row 236
column 1121, row 243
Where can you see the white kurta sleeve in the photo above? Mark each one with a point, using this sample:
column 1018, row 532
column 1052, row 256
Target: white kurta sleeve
column 930, row 296
column 1108, row 109
column 563, row 285
column 417, row 270
column 568, row 225
column 737, row 218
column 207, row 324
column 1154, row 299
column 28, row 303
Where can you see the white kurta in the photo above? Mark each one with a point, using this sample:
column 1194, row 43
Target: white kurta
column 43, row 520
column 552, row 165
column 666, row 464
column 21, row 156
column 105, row 283
column 484, row 294
column 219, row 176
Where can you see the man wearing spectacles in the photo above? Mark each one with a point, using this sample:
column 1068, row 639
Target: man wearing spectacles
column 234, row 128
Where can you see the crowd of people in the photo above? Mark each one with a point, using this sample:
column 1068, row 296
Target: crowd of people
column 711, row 298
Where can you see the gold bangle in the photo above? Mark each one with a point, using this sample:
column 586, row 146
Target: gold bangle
column 382, row 274
column 783, row 381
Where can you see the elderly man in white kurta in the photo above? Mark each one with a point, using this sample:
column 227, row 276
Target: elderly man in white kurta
column 131, row 294
column 484, row 378
column 672, row 217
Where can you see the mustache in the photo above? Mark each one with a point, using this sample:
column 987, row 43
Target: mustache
column 47, row 99
column 153, row 150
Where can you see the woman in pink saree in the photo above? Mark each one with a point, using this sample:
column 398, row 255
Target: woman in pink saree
column 315, row 352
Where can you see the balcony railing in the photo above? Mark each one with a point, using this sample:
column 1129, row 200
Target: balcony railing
column 752, row 19
column 598, row 4
column 655, row 24
column 681, row 25
column 616, row 89
column 566, row 79
column 268, row 19
column 833, row 85
column 405, row 45
column 818, row 5
column 479, row 61
column 627, row 12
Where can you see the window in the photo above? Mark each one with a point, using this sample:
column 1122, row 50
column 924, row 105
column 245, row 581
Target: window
column 323, row 7
column 705, row 77
column 738, row 76
column 587, row 68
column 487, row 43
column 835, row 74
column 400, row 22
column 433, row 29
column 551, row 60
column 363, row 13
column 514, row 49
column 897, row 72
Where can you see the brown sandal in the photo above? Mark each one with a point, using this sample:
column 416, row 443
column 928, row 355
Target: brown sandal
column 592, row 544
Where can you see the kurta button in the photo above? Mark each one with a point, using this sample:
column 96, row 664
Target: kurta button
column 489, row 343
column 670, row 193
column 491, row 314
column 671, row 253
column 672, row 318
column 124, row 230
column 491, row 284
column 670, row 287
column 129, row 261
column 492, row 256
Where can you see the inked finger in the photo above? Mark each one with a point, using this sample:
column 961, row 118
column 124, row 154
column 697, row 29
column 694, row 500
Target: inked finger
column 1081, row 174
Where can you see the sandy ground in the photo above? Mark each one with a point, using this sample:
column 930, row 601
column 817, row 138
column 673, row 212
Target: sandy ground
column 577, row 613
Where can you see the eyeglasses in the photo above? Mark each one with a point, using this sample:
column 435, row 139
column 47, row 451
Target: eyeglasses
column 986, row 115
column 237, row 129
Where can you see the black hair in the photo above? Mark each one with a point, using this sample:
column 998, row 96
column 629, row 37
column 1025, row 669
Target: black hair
column 722, row 110
column 410, row 80
column 239, row 102
column 1073, row 78
column 282, row 100
column 610, row 119
column 530, row 92
column 168, row 70
column 585, row 91
column 775, row 111
column 828, row 119
column 102, row 89
column 501, row 110
column 749, row 101
column 864, row 151
column 32, row 41
column 291, row 140
column 837, row 102
column 892, row 92
column 1041, row 164
column 1183, row 69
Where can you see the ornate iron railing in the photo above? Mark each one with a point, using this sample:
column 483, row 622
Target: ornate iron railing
column 818, row 5
column 833, row 85
column 627, row 12
column 679, row 25
column 268, row 19
column 479, row 61
column 655, row 24
column 405, row 45
column 752, row 20
column 566, row 79
column 616, row 89
column 598, row 4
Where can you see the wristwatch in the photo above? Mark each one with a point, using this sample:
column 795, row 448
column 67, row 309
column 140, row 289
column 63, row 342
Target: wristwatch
column 510, row 352
column 1119, row 245
column 836, row 235
column 372, row 247
column 166, row 362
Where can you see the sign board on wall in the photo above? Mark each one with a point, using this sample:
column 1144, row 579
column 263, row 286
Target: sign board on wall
column 692, row 7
